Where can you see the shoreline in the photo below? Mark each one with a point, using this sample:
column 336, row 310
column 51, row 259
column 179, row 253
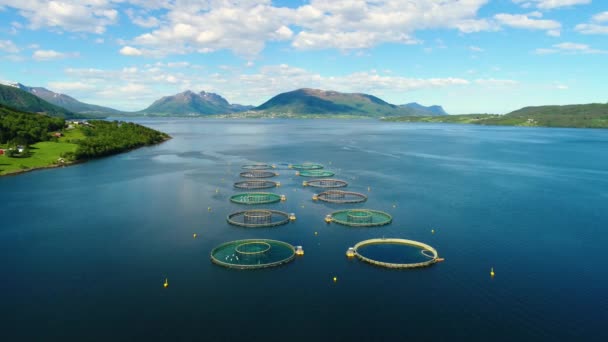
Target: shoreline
column 72, row 163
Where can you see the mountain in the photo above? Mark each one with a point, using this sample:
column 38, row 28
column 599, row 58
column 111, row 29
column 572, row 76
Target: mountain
column 66, row 101
column 191, row 103
column 315, row 101
column 22, row 100
column 423, row 110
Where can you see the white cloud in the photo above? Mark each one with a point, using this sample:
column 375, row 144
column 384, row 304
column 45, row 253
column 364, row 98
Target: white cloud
column 8, row 46
column 69, row 86
column 139, row 19
column 601, row 17
column 550, row 4
column 130, row 51
column 595, row 26
column 526, row 21
column 475, row 48
column 66, row 15
column 492, row 82
column 569, row 48
column 47, row 55
column 245, row 26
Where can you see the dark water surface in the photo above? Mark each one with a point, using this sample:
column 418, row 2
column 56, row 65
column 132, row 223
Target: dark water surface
column 85, row 250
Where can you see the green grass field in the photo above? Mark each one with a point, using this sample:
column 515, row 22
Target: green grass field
column 42, row 154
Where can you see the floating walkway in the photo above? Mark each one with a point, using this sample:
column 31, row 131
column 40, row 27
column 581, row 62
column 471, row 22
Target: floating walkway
column 256, row 184
column 339, row 196
column 315, row 173
column 258, row 218
column 325, row 183
column 253, row 253
column 258, row 174
column 361, row 218
column 426, row 250
column 255, row 198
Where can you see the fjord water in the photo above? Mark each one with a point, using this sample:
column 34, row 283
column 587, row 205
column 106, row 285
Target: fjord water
column 85, row 249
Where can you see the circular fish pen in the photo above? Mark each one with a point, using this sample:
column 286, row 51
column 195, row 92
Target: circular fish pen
column 326, row 183
column 307, row 166
column 253, row 253
column 339, row 196
column 255, row 198
column 315, row 173
column 361, row 218
column 258, row 218
column 257, row 174
column 429, row 253
column 256, row 167
column 255, row 184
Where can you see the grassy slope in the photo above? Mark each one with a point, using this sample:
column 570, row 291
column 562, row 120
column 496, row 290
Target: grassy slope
column 23, row 101
column 43, row 154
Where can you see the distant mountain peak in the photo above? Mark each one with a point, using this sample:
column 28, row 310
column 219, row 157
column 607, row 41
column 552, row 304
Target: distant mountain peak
column 424, row 110
column 191, row 103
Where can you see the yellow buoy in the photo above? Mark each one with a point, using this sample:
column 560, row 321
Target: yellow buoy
column 394, row 206
column 283, row 198
column 217, row 190
column 432, row 231
column 208, row 208
column 278, row 184
column 328, row 218
column 369, row 189
column 335, row 279
column 315, row 197
column 492, row 272
column 292, row 217
column 316, row 233
column 194, row 235
column 304, row 183
column 166, row 284
column 297, row 173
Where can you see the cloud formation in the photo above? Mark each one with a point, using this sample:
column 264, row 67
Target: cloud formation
column 597, row 25
column 8, row 46
column 529, row 22
column 550, row 4
column 47, row 55
column 569, row 48
column 66, row 15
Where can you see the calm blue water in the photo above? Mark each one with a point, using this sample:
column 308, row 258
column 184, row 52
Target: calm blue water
column 84, row 250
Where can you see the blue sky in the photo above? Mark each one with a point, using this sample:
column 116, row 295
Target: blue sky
column 470, row 56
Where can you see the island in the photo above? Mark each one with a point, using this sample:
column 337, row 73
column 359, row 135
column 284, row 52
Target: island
column 30, row 141
column 593, row 115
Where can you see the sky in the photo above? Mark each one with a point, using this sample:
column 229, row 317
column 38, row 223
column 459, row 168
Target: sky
column 470, row 56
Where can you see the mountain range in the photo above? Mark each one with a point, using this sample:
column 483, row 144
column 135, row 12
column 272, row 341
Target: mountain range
column 66, row 101
column 300, row 102
column 21, row 100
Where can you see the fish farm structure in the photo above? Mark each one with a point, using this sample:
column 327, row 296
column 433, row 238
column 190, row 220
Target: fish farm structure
column 307, row 166
column 427, row 251
column 314, row 173
column 361, row 218
column 255, row 198
column 325, row 183
column 257, row 174
column 258, row 218
column 256, row 184
column 339, row 196
column 257, row 167
column 253, row 253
